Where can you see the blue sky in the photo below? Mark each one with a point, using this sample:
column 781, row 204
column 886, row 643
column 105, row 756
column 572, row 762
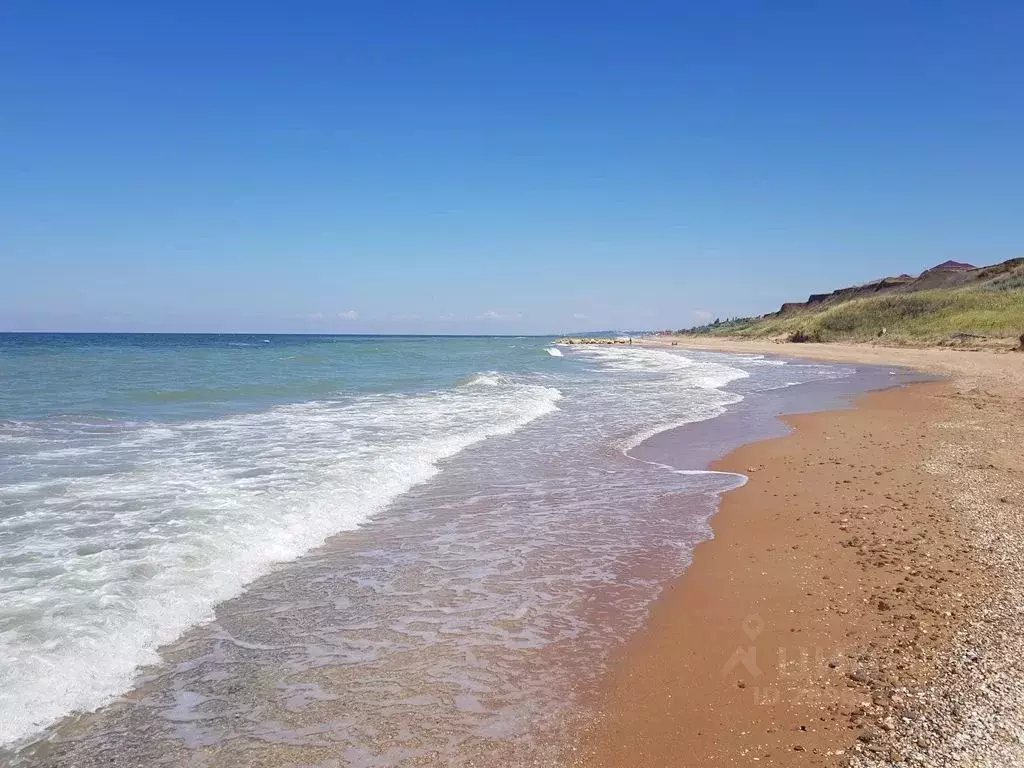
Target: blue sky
column 493, row 166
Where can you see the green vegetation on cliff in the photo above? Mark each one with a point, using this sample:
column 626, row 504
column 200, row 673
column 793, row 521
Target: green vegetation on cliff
column 983, row 303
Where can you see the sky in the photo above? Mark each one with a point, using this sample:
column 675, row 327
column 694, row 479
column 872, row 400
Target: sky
column 493, row 167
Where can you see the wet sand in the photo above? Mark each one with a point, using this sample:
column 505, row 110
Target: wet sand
column 860, row 602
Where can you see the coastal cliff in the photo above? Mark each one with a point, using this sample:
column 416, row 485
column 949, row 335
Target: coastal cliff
column 950, row 304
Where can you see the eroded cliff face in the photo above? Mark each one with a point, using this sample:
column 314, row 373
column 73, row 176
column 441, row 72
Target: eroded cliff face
column 949, row 274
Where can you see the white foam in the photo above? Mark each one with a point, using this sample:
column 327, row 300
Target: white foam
column 702, row 412
column 146, row 536
column 683, row 389
column 489, row 379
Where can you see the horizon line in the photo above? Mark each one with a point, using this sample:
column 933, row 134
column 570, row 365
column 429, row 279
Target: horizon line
column 287, row 333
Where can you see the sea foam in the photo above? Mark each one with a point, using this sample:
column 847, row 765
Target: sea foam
column 671, row 389
column 135, row 532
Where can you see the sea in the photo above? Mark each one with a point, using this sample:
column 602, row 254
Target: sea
column 348, row 550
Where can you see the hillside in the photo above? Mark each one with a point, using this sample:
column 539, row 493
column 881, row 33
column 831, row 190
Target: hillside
column 951, row 303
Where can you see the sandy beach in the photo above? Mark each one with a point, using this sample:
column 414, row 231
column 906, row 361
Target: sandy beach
column 860, row 603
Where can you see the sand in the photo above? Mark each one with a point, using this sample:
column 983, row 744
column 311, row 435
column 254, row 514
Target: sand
column 861, row 601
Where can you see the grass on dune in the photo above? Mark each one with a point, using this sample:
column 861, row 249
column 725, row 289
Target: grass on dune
column 923, row 316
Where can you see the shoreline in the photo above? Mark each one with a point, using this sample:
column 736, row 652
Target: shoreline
column 669, row 693
column 194, row 662
column 843, row 624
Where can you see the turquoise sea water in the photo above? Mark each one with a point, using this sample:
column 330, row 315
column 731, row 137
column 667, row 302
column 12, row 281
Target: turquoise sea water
column 180, row 376
column 480, row 497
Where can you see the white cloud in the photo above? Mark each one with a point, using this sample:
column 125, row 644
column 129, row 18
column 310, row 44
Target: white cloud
column 309, row 316
column 702, row 314
column 494, row 315
column 349, row 314
column 447, row 316
column 579, row 315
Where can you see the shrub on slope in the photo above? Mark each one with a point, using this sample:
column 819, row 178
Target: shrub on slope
column 996, row 311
